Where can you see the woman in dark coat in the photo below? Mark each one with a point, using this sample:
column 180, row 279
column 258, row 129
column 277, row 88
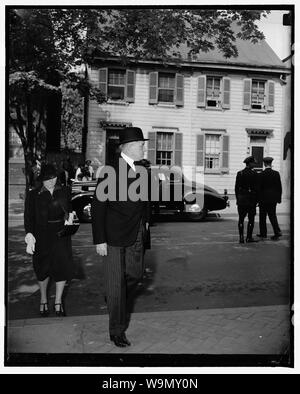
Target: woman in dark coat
column 46, row 210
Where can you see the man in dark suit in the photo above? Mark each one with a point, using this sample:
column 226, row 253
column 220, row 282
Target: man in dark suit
column 119, row 227
column 270, row 191
column 246, row 188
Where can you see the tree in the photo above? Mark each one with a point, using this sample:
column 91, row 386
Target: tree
column 46, row 45
column 43, row 48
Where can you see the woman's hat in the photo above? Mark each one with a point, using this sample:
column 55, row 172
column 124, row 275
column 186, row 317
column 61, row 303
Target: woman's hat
column 48, row 171
column 131, row 134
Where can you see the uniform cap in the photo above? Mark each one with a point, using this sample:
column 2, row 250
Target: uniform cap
column 249, row 159
column 268, row 159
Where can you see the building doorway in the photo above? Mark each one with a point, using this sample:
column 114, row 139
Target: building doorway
column 257, row 149
column 258, row 153
column 112, row 146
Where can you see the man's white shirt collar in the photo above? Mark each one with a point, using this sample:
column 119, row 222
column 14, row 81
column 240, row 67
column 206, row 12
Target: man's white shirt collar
column 128, row 160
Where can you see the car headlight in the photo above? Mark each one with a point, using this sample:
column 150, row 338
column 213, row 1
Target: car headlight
column 194, row 208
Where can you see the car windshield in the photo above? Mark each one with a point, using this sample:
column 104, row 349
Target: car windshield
column 169, row 175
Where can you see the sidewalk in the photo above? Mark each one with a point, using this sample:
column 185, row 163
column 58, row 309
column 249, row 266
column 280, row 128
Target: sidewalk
column 251, row 330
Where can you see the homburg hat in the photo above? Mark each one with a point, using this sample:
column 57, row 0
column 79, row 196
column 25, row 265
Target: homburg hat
column 131, row 134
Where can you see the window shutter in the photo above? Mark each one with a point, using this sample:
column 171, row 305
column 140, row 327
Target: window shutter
column 130, row 82
column 103, row 75
column 226, row 93
column 178, row 149
column 200, row 150
column 152, row 147
column 247, row 93
column 201, row 97
column 270, row 95
column 225, row 153
column 153, row 87
column 179, row 83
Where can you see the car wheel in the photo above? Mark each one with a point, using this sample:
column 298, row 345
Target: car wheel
column 197, row 216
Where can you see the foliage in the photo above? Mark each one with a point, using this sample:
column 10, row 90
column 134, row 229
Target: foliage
column 47, row 45
column 71, row 118
column 159, row 33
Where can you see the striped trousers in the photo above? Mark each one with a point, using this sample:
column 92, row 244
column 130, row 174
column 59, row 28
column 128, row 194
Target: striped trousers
column 124, row 268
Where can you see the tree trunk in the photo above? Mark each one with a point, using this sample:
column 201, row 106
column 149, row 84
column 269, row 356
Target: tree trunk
column 53, row 122
column 28, row 155
column 85, row 119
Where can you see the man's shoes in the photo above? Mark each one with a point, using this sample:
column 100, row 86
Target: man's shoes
column 120, row 340
column 250, row 240
column 125, row 339
column 241, row 240
column 261, row 236
column 275, row 238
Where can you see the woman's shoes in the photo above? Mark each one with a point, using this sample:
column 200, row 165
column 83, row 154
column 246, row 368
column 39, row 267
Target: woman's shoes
column 44, row 311
column 59, row 311
column 58, row 308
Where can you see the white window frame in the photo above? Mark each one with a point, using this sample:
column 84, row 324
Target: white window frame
column 220, row 133
column 263, row 104
column 172, row 150
column 111, row 70
column 173, row 75
column 219, row 101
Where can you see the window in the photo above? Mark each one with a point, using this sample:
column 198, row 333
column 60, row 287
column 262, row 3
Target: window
column 166, row 88
column 164, row 148
column 116, row 84
column 212, row 151
column 259, row 95
column 213, row 92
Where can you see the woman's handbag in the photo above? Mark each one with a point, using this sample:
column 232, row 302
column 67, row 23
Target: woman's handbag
column 69, row 229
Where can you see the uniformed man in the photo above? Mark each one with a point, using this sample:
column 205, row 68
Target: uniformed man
column 270, row 191
column 246, row 192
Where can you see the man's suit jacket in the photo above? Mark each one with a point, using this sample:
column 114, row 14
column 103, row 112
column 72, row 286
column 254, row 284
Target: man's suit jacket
column 270, row 188
column 117, row 222
column 246, row 187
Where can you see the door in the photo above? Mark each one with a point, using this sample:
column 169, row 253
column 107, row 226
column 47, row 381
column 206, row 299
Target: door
column 258, row 153
column 112, row 147
column 257, row 149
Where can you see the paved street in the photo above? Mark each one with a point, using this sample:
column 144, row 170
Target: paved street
column 203, row 293
column 190, row 266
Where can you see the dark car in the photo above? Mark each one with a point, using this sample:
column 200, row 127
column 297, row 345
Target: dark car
column 175, row 195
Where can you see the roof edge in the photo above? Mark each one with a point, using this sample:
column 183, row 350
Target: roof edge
column 238, row 66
